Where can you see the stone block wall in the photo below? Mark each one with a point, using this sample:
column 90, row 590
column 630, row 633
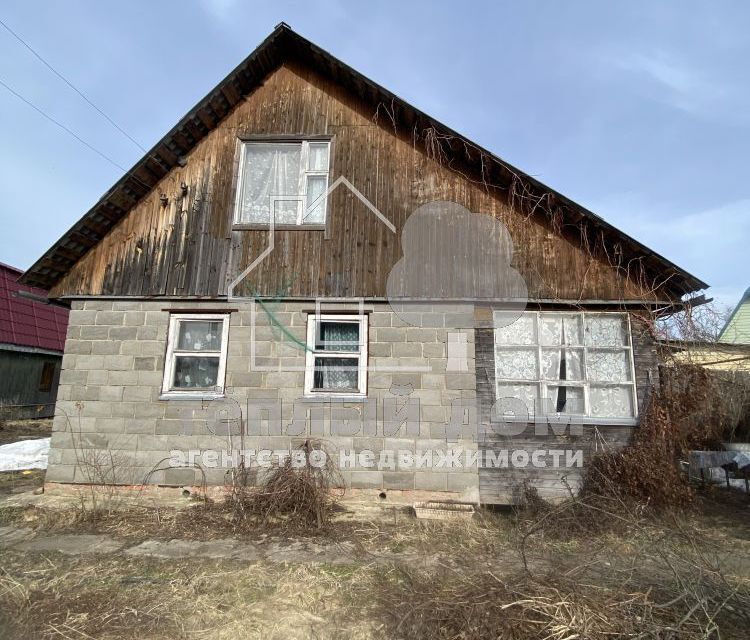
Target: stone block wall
column 112, row 423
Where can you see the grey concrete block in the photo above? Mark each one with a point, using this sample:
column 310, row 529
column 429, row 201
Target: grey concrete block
column 111, row 393
column 60, row 473
column 98, row 305
column 105, row 347
column 367, row 479
column 78, row 318
column 180, row 477
column 124, row 378
column 403, row 480
column 78, row 346
column 407, row 349
column 140, row 426
column 117, row 363
column 127, row 305
column 123, row 333
column 147, row 332
column 110, row 318
column 430, row 481
column 94, row 332
column 110, row 425
column 145, row 363
column 123, row 409
column 136, row 394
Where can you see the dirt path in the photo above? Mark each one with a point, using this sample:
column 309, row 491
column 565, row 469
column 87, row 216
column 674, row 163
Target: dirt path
column 23, row 539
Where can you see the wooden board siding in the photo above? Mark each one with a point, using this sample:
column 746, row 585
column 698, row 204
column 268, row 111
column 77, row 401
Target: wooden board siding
column 20, row 378
column 188, row 247
column 505, row 485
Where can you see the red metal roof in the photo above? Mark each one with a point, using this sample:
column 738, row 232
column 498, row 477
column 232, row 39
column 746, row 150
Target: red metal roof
column 24, row 322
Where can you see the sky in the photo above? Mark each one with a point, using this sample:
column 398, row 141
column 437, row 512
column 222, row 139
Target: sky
column 638, row 110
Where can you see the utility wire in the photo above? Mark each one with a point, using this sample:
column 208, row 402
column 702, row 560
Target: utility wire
column 72, row 133
column 72, row 86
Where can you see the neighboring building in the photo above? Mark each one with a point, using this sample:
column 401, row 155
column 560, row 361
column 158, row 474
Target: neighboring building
column 166, row 339
column 721, row 356
column 737, row 328
column 32, row 337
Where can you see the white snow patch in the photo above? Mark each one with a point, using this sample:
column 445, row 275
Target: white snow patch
column 26, row 454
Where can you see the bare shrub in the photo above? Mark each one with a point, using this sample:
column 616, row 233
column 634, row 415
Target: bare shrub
column 647, row 470
column 304, row 494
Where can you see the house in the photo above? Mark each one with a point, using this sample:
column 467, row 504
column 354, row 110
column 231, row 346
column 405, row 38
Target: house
column 737, row 328
column 445, row 322
column 32, row 337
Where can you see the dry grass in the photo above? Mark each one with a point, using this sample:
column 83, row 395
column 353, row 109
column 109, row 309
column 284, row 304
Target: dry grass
column 58, row 597
column 662, row 578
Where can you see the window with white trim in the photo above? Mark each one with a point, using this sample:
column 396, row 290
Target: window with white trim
column 580, row 363
column 196, row 354
column 285, row 179
column 336, row 357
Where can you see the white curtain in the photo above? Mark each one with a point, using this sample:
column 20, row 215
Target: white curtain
column 270, row 170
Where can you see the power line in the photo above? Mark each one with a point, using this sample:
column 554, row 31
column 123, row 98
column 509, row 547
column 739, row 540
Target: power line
column 72, row 133
column 71, row 85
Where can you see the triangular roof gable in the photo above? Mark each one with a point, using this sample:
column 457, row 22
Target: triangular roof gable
column 737, row 327
column 281, row 45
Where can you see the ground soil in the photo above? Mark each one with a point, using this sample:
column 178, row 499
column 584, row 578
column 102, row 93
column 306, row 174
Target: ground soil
column 149, row 570
column 15, row 430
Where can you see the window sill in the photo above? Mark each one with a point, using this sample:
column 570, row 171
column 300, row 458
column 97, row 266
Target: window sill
column 563, row 420
column 325, row 397
column 279, row 227
column 177, row 395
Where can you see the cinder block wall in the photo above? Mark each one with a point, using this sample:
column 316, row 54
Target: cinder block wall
column 111, row 424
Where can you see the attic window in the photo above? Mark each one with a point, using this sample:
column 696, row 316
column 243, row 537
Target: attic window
column 285, row 179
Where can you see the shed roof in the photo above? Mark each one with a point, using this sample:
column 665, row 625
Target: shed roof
column 282, row 45
column 24, row 322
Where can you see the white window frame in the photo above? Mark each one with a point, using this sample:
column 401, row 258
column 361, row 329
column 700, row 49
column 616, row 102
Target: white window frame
column 301, row 197
column 168, row 391
column 586, row 384
column 311, row 353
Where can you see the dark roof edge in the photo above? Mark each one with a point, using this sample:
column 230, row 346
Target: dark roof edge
column 36, row 275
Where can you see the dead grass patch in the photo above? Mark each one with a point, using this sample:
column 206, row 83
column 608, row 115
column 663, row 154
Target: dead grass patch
column 58, row 597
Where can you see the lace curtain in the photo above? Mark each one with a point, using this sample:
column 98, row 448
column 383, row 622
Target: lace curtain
column 336, row 373
column 339, row 336
column 537, row 353
column 270, row 170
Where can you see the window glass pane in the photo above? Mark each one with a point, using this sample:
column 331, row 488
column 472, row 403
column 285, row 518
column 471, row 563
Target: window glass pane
column 562, row 364
column 561, row 330
column 608, row 366
column 316, row 186
column 286, row 211
column 337, row 336
column 269, row 169
column 318, row 156
column 564, row 399
column 606, row 331
column 611, row 402
column 521, row 330
column 517, row 364
column 195, row 372
column 198, row 335
column 336, row 374
column 528, row 393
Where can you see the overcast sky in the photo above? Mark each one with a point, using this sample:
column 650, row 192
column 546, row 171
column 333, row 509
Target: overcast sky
column 640, row 111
